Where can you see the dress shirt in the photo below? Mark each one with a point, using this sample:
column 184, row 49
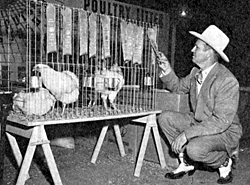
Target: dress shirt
column 204, row 75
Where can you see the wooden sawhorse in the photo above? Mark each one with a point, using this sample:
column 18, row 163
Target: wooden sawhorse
column 37, row 136
column 101, row 139
column 150, row 122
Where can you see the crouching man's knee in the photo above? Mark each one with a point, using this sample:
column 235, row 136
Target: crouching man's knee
column 196, row 151
column 164, row 119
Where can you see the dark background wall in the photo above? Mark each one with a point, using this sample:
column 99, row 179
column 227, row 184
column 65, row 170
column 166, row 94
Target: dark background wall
column 233, row 17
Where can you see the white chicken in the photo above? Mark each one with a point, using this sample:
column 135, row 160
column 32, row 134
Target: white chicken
column 63, row 85
column 113, row 82
column 34, row 103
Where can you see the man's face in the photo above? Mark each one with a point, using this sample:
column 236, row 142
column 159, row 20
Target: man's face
column 200, row 53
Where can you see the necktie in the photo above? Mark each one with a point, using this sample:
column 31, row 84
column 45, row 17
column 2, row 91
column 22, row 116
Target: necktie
column 199, row 77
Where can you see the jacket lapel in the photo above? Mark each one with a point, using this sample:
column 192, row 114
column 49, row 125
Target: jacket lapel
column 193, row 93
column 204, row 91
column 193, row 89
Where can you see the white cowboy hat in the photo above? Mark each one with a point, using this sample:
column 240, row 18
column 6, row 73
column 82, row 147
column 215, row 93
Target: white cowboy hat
column 215, row 38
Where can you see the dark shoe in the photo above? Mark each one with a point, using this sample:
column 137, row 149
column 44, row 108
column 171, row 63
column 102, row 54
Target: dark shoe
column 226, row 175
column 172, row 175
column 182, row 170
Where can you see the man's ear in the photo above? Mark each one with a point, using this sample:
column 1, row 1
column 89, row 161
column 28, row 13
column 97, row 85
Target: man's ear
column 210, row 52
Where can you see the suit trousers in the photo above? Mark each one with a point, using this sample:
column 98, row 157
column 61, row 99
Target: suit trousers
column 210, row 150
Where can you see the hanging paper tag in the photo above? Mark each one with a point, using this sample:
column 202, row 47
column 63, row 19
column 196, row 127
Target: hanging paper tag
column 138, row 47
column 67, row 31
column 83, row 32
column 106, row 35
column 51, row 28
column 92, row 34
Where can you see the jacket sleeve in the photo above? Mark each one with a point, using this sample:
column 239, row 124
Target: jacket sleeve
column 175, row 84
column 219, row 117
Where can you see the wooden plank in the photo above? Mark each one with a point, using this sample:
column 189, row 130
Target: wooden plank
column 99, row 143
column 27, row 159
column 16, row 151
column 86, row 119
column 142, row 151
column 119, row 140
column 159, row 147
column 50, row 158
column 19, row 131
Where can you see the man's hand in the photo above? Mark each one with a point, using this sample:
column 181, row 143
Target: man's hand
column 164, row 63
column 178, row 143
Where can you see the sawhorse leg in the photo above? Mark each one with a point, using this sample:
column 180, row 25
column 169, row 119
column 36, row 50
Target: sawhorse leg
column 101, row 139
column 119, row 140
column 16, row 151
column 150, row 123
column 38, row 137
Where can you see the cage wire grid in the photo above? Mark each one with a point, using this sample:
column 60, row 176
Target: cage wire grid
column 68, row 63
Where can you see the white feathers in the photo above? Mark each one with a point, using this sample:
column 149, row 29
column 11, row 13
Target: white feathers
column 63, row 85
column 115, row 83
column 57, row 82
column 34, row 103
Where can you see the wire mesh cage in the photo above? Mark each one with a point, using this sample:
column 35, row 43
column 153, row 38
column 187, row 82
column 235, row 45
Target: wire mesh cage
column 68, row 63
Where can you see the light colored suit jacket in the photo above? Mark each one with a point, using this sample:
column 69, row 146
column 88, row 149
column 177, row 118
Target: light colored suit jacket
column 215, row 108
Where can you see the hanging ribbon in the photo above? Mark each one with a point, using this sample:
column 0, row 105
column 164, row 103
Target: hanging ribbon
column 138, row 47
column 67, row 31
column 153, row 35
column 131, row 41
column 51, row 28
column 106, row 35
column 124, row 38
column 127, row 38
column 92, row 34
column 83, row 23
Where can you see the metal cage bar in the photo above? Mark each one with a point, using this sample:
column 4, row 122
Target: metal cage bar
column 69, row 63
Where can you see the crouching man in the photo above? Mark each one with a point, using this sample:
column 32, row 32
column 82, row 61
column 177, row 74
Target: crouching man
column 210, row 133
